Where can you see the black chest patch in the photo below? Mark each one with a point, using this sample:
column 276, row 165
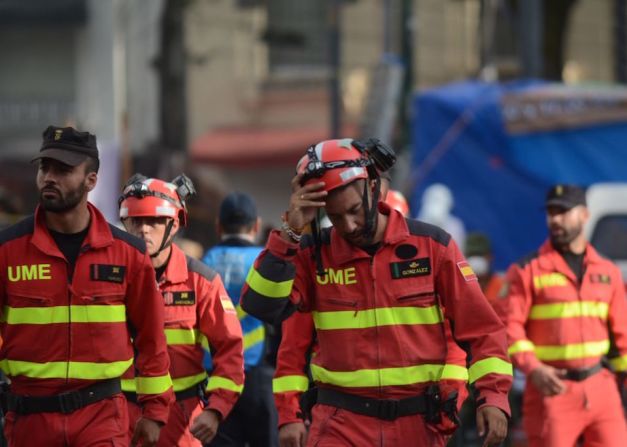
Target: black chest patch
column 598, row 278
column 184, row 298
column 408, row 269
column 107, row 273
column 406, row 251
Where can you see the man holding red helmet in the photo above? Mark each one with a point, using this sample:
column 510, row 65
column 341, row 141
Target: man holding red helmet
column 198, row 312
column 375, row 284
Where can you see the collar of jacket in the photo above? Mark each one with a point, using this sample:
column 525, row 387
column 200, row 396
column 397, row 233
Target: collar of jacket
column 395, row 231
column 176, row 271
column 550, row 258
column 98, row 236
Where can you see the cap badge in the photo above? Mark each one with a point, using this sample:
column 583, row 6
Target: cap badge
column 57, row 134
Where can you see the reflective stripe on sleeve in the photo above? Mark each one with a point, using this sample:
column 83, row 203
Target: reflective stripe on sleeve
column 290, row 383
column 268, row 288
column 223, row 383
column 490, row 365
column 153, row 385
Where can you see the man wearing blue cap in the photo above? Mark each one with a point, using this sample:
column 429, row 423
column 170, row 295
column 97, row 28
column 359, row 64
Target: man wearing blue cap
column 253, row 420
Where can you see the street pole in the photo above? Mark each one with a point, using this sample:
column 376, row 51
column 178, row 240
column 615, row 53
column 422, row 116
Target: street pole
column 334, row 64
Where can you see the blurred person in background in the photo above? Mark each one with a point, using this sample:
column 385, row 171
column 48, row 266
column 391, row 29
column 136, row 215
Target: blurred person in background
column 197, row 311
column 71, row 287
column 436, row 206
column 563, row 304
column 253, row 421
column 369, row 282
column 478, row 251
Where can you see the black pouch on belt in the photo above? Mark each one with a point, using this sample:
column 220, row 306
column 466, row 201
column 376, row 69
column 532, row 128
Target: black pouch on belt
column 441, row 410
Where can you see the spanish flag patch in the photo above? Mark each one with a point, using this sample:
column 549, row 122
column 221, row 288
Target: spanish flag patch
column 466, row 271
column 227, row 304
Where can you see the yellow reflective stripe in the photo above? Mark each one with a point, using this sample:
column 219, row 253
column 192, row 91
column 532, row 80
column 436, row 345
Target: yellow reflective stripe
column 408, row 375
column 569, row 309
column 63, row 370
column 181, row 336
column 573, row 351
column 241, row 313
column 267, row 288
column 521, row 346
column 254, row 337
column 204, row 342
column 382, row 316
column 182, row 383
column 128, row 385
column 65, row 314
column 619, row 363
column 454, row 372
column 153, row 385
column 491, row 365
column 290, row 383
column 216, row 382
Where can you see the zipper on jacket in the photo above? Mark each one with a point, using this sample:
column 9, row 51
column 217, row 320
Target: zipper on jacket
column 376, row 323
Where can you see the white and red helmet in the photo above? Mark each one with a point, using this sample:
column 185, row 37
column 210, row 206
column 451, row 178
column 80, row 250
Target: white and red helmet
column 151, row 197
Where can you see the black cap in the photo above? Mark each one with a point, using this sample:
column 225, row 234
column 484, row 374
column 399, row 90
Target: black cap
column 565, row 196
column 238, row 209
column 67, row 145
column 477, row 244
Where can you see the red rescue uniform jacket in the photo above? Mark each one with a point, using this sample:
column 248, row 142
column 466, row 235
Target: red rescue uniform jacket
column 64, row 330
column 378, row 318
column 198, row 310
column 554, row 319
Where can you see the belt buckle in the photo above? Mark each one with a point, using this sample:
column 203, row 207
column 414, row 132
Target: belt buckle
column 70, row 402
column 388, row 409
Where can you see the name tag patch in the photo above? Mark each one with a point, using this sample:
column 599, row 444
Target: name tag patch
column 184, row 298
column 408, row 269
column 107, row 273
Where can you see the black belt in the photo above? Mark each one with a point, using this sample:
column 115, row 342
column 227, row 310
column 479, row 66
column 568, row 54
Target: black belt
column 579, row 375
column 192, row 391
column 386, row 409
column 66, row 402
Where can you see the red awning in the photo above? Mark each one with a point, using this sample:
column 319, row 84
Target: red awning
column 246, row 147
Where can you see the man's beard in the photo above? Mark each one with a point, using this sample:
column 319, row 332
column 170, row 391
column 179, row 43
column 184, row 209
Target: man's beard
column 61, row 203
column 566, row 237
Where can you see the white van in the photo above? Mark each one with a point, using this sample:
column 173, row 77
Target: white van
column 607, row 227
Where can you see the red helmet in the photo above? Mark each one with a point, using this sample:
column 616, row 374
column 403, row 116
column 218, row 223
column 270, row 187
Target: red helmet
column 335, row 162
column 396, row 200
column 151, row 197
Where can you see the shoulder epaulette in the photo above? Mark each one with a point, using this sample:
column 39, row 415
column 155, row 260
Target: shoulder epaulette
column 18, row 230
column 196, row 266
column 131, row 240
column 419, row 228
column 527, row 259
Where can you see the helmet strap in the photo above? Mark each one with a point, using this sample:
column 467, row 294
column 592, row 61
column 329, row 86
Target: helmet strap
column 370, row 211
column 316, row 234
column 165, row 242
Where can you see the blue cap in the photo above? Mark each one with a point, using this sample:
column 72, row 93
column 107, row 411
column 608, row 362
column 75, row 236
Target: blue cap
column 238, row 209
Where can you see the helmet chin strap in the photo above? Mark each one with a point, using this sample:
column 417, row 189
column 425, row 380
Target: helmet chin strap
column 165, row 242
column 370, row 212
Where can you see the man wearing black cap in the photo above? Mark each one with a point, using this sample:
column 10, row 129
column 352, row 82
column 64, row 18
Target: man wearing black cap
column 563, row 305
column 253, row 420
column 71, row 286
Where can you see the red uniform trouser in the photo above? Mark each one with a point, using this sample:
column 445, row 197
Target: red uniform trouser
column 337, row 427
column 104, row 423
column 176, row 431
column 591, row 408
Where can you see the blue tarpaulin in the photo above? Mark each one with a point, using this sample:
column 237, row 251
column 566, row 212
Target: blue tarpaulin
column 499, row 147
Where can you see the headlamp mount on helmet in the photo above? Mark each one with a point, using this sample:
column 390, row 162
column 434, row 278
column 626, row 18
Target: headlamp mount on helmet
column 377, row 158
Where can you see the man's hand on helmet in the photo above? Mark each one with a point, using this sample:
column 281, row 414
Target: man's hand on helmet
column 304, row 203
